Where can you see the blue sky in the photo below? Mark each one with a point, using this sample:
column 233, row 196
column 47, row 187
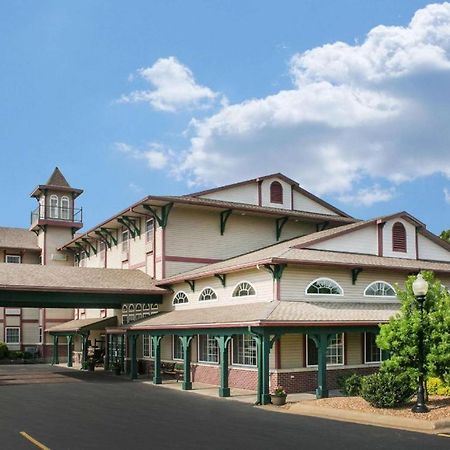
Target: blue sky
column 166, row 97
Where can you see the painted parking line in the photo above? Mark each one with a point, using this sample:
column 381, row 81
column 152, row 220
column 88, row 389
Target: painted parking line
column 444, row 435
column 34, row 441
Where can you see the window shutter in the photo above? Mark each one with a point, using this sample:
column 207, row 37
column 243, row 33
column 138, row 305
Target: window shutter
column 398, row 237
column 276, row 192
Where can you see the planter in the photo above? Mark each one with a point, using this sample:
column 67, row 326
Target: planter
column 278, row 400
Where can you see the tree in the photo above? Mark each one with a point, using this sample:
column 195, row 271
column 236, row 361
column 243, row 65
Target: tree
column 399, row 335
column 445, row 235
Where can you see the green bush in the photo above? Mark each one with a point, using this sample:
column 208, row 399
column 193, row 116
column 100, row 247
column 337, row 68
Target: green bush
column 435, row 386
column 350, row 385
column 4, row 352
column 27, row 355
column 387, row 390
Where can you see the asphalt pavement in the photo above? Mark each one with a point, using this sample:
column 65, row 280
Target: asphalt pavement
column 106, row 412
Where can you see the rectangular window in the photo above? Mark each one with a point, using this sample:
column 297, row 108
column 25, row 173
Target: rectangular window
column 244, row 350
column 147, row 347
column 101, row 246
column 208, row 350
column 372, row 354
column 13, row 259
column 12, row 335
column 125, row 240
column 148, row 230
column 177, row 348
column 335, row 351
column 12, row 311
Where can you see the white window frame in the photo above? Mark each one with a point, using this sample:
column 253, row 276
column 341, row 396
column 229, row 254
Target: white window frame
column 173, row 348
column 209, row 339
column 65, row 210
column 131, row 313
column 379, row 296
column 319, row 294
column 149, row 232
column 9, row 257
column 200, row 299
column 238, row 364
column 12, row 311
column 150, row 354
column 138, row 312
column 371, row 363
column 18, row 334
column 54, row 207
column 328, row 364
column 125, row 242
column 124, row 314
column 243, row 296
column 176, row 295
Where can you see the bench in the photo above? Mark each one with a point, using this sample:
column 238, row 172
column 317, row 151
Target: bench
column 173, row 369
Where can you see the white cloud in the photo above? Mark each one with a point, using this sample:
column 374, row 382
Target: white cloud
column 368, row 196
column 154, row 154
column 447, row 195
column 174, row 87
column 378, row 110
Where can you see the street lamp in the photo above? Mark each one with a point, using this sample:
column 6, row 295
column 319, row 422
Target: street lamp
column 420, row 289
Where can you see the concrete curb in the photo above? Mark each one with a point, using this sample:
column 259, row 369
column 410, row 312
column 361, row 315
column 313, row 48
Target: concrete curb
column 403, row 423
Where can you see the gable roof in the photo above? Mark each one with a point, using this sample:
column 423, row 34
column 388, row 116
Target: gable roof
column 296, row 251
column 18, row 238
column 286, row 179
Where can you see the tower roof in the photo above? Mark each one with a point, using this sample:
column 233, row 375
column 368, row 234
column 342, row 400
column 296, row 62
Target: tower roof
column 57, row 179
column 56, row 182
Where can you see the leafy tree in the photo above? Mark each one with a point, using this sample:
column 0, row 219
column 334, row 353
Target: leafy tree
column 399, row 335
column 445, row 235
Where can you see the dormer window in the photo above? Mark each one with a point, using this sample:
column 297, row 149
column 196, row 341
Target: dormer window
column 276, row 192
column 398, row 237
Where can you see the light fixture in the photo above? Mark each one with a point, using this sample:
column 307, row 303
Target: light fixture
column 420, row 286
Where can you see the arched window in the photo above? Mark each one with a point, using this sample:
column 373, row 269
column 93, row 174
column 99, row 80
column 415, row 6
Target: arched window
column 131, row 313
column 398, row 237
column 379, row 289
column 53, row 206
column 180, row 298
column 276, row 192
column 138, row 315
column 244, row 289
column 65, row 207
column 207, row 294
column 324, row 286
column 124, row 314
column 146, row 310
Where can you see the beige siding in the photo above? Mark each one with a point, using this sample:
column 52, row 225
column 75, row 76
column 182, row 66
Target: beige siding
column 410, row 240
column 431, row 251
column 30, row 313
column 296, row 279
column 246, row 193
column 30, row 334
column 352, row 343
column 292, row 353
column 359, row 241
column 56, row 237
column 303, row 203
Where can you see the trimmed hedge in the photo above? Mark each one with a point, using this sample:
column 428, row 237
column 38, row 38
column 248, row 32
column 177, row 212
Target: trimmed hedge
column 350, row 385
column 387, row 390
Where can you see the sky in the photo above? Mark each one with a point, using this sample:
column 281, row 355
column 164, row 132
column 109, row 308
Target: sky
column 128, row 99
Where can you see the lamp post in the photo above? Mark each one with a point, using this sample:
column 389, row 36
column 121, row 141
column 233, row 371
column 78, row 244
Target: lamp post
column 420, row 289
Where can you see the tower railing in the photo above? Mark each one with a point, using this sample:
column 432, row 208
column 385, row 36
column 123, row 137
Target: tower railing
column 57, row 213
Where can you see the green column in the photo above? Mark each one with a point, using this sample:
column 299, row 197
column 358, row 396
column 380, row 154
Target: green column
column 69, row 350
column 133, row 361
column 321, row 341
column 265, row 375
column 55, row 359
column 186, row 344
column 222, row 342
column 257, row 339
column 84, row 344
column 122, row 352
column 107, row 357
column 156, row 342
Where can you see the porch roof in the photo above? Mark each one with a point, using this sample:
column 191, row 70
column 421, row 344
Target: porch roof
column 284, row 313
column 80, row 325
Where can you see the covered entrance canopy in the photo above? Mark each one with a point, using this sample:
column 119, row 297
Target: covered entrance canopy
column 36, row 286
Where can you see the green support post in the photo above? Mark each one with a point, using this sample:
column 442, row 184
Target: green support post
column 122, row 352
column 156, row 342
column 222, row 342
column 55, row 359
column 133, row 361
column 69, row 350
column 259, row 366
column 321, row 341
column 107, row 355
column 84, row 354
column 265, row 353
column 186, row 344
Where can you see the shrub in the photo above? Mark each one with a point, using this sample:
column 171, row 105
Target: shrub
column 27, row 355
column 350, row 385
column 435, row 386
column 387, row 390
column 4, row 352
